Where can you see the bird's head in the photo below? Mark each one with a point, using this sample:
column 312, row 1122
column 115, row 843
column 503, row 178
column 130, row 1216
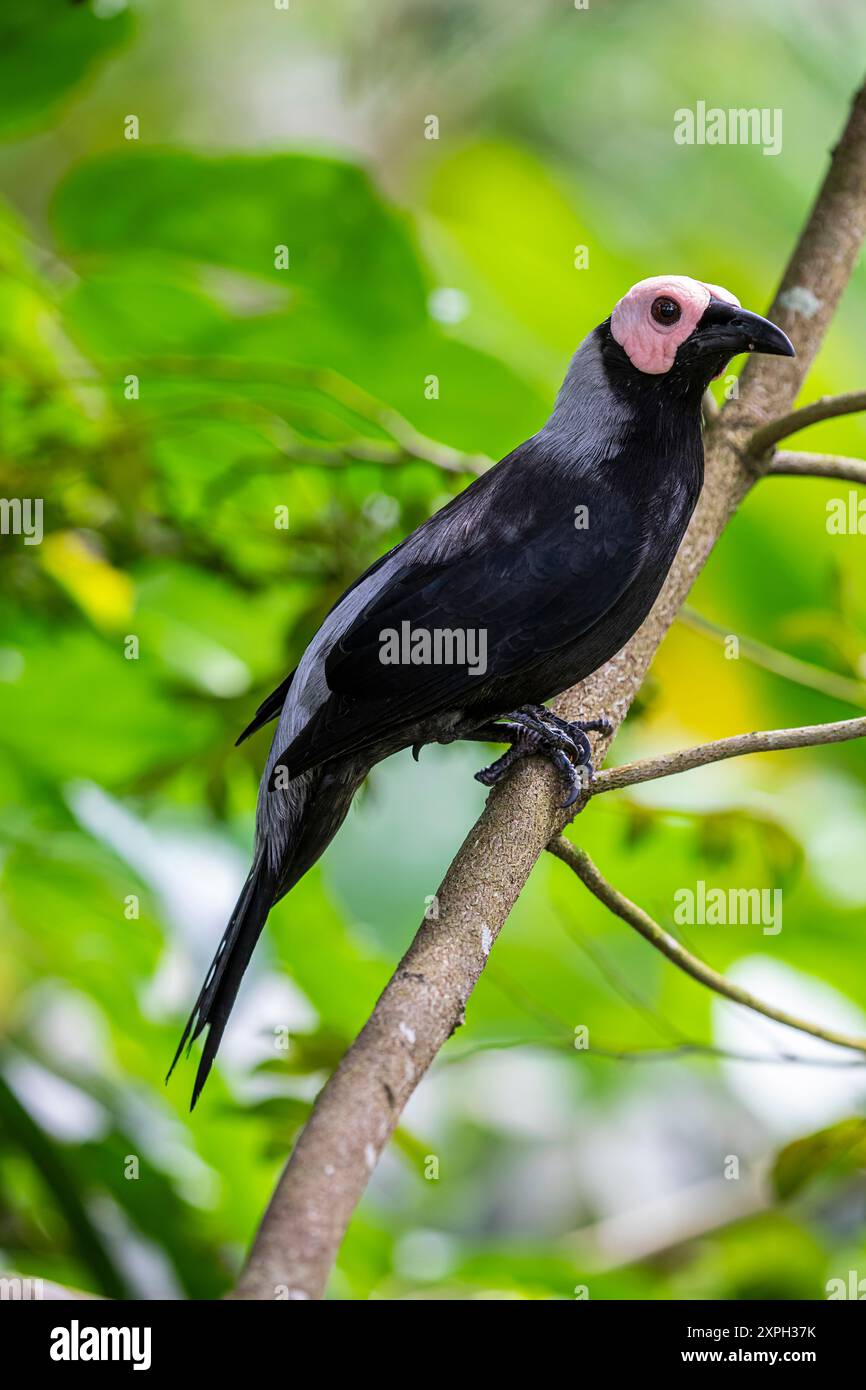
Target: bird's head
column 673, row 327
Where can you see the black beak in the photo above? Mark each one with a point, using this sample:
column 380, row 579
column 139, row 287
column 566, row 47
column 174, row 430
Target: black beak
column 728, row 329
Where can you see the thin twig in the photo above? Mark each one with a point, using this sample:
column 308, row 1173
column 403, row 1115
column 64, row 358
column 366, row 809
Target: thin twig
column 719, row 1054
column 562, row 1038
column 651, row 1053
column 672, row 1036
column 825, row 408
column 290, row 447
column 790, row 668
column 634, row 916
column 787, row 463
column 763, row 741
column 335, row 388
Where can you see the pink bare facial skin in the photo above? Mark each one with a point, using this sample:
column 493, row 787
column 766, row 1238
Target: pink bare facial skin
column 651, row 347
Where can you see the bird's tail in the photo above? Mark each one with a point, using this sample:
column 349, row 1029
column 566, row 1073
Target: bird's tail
column 313, row 807
column 214, row 1003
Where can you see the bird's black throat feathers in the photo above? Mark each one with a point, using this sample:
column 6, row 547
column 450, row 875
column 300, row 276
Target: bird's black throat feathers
column 642, row 433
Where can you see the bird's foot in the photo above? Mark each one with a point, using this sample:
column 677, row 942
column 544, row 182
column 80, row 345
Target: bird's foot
column 536, row 729
column 575, row 727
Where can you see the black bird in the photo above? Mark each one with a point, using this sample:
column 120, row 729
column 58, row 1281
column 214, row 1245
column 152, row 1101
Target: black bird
column 525, row 583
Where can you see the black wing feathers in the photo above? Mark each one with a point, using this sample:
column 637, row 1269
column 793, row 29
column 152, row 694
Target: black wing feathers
column 532, row 575
column 269, row 709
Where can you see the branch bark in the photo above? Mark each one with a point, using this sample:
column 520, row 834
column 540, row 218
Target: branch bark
column 825, row 408
column 799, row 465
column 764, row 741
column 425, row 1000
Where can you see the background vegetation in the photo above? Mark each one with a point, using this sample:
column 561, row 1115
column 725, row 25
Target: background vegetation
column 261, row 388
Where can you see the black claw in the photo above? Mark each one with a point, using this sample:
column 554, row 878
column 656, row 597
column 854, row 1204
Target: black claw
column 584, row 746
column 570, row 774
column 555, row 733
column 575, row 727
column 416, row 750
column 583, row 777
column 536, row 729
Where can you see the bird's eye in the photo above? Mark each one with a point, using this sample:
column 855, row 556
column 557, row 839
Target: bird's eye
column 665, row 311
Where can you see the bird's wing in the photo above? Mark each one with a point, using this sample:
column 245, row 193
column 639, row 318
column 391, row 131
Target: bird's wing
column 272, row 705
column 269, row 709
column 527, row 575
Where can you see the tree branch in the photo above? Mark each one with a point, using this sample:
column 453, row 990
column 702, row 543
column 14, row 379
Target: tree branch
column 623, row 907
column 798, row 465
column 825, row 408
column 684, row 759
column 423, row 1003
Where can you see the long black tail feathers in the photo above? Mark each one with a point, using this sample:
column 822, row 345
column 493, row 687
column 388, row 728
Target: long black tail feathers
column 218, row 993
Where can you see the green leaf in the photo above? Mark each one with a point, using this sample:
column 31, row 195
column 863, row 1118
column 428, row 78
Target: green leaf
column 308, row 1053
column 838, row 1150
column 109, row 697
column 344, row 244
column 46, row 48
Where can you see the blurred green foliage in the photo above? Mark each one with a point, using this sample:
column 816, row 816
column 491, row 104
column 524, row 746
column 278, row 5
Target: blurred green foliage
column 166, row 389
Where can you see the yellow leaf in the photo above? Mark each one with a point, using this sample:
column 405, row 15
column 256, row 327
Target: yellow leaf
column 103, row 593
